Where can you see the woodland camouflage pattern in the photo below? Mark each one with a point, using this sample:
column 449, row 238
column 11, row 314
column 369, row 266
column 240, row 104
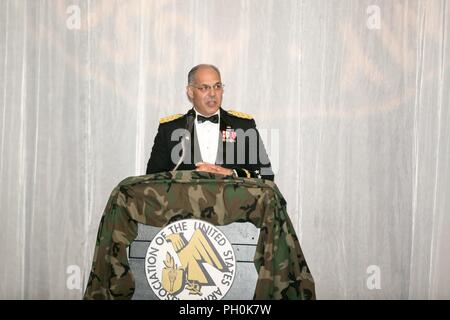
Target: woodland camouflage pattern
column 162, row 198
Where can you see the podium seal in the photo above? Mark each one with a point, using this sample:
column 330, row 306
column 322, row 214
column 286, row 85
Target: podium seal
column 190, row 260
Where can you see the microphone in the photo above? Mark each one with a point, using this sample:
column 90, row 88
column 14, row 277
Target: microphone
column 190, row 123
column 190, row 118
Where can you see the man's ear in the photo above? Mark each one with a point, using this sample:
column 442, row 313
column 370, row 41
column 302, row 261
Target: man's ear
column 190, row 93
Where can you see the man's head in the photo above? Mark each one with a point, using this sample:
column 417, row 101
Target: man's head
column 205, row 88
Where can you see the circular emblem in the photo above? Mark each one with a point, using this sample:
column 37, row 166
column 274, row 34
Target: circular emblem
column 190, row 260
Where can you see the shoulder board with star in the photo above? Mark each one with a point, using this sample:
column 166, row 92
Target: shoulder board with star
column 170, row 118
column 239, row 114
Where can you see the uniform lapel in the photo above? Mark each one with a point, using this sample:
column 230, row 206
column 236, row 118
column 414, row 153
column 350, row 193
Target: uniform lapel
column 222, row 146
column 195, row 147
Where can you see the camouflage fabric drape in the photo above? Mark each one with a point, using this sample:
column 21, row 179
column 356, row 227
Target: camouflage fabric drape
column 162, row 198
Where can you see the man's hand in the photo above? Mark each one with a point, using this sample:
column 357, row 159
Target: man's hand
column 208, row 167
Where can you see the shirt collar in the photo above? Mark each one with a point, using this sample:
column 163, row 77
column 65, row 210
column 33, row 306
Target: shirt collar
column 196, row 113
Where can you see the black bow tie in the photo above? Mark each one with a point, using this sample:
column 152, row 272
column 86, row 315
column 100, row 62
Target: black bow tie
column 213, row 119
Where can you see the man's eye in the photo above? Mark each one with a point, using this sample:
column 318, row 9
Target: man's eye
column 217, row 87
column 203, row 88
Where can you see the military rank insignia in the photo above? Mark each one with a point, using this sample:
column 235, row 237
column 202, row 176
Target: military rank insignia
column 190, row 260
column 228, row 135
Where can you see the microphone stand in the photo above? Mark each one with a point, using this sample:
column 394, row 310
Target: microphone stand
column 189, row 125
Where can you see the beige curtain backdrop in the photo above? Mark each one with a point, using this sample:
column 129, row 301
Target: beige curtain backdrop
column 352, row 96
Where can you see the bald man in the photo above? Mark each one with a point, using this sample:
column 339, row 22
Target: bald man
column 208, row 138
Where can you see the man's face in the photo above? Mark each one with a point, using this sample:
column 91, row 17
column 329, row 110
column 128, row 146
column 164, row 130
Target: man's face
column 206, row 101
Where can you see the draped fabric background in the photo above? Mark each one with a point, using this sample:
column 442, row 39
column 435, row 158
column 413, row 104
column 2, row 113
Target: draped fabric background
column 352, row 97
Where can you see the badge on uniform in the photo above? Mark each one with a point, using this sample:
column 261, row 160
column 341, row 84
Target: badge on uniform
column 228, row 135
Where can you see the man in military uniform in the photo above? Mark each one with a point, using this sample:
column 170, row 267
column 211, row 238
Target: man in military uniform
column 209, row 138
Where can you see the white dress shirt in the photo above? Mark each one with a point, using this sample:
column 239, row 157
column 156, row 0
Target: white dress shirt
column 208, row 138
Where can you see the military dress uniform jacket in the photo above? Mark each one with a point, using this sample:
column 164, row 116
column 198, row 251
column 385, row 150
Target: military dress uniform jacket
column 240, row 145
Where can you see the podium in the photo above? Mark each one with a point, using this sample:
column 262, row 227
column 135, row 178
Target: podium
column 164, row 198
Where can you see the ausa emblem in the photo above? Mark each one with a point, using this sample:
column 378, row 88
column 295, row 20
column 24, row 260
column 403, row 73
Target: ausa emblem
column 190, row 259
